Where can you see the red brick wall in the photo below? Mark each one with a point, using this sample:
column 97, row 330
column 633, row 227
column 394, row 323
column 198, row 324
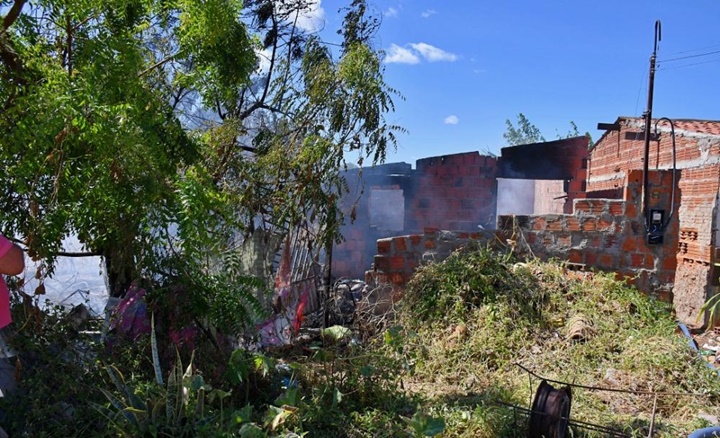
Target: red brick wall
column 564, row 160
column 607, row 234
column 697, row 155
column 453, row 192
column 398, row 257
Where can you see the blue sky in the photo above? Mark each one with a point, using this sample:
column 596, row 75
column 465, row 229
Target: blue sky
column 465, row 66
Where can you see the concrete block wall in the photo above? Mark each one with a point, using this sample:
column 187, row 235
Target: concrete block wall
column 606, row 234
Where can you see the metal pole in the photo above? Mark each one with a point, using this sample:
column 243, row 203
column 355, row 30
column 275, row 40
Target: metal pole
column 648, row 122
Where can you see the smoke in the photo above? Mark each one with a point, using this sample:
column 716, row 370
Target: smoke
column 528, row 196
column 515, row 196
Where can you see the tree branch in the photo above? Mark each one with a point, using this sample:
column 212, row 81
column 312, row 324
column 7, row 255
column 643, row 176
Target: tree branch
column 22, row 246
column 157, row 64
column 13, row 14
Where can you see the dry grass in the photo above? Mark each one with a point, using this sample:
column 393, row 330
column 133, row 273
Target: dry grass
column 470, row 320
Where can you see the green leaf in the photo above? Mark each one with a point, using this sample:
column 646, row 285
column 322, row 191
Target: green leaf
column 337, row 332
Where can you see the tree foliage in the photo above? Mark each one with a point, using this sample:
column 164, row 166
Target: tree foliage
column 157, row 130
column 527, row 133
column 524, row 133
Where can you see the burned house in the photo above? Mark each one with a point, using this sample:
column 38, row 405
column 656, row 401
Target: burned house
column 597, row 208
column 459, row 193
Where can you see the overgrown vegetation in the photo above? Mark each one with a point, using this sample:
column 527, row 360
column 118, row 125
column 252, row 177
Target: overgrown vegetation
column 492, row 314
column 160, row 134
column 449, row 361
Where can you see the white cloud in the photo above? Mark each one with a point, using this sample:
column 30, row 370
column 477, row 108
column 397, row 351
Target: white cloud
column 452, row 120
column 432, row 53
column 263, row 61
column 403, row 55
column 400, row 55
column 391, row 12
column 312, row 19
column 428, row 13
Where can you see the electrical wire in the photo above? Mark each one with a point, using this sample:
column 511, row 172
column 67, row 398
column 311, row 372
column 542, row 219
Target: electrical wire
column 694, row 50
column 673, row 67
column 714, row 52
column 643, row 86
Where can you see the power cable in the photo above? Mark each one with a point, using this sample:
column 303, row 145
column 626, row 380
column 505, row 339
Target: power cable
column 689, row 56
column 643, row 86
column 694, row 50
column 673, row 67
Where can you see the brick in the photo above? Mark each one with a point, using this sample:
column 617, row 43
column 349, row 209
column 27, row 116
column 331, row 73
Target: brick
column 572, row 223
column 575, row 256
column 581, row 205
column 429, row 244
column 554, row 225
column 563, row 240
column 382, row 263
column 399, row 244
column 616, row 208
column 604, row 224
column 415, row 239
column 629, row 244
column 589, row 224
column 637, row 260
column 539, row 224
column 649, row 261
column 665, row 296
column 430, row 230
column 591, row 258
column 383, row 246
column 397, row 263
column 669, row 263
column 396, row 278
column 606, row 260
column 610, row 241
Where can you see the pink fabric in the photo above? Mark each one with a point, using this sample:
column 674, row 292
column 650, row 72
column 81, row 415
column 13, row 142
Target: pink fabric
column 5, row 317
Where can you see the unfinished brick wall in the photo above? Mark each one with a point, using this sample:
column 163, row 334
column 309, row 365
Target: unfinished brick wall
column 353, row 256
column 697, row 145
column 607, row 234
column 398, row 257
column 561, row 160
column 696, row 273
column 451, row 192
column 456, row 192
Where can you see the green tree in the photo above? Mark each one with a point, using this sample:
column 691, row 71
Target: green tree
column 91, row 142
column 524, row 133
column 157, row 131
column 527, row 133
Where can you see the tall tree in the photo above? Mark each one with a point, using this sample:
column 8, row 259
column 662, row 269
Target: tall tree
column 152, row 129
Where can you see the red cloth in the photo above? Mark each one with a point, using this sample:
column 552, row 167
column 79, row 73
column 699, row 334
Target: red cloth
column 5, row 318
